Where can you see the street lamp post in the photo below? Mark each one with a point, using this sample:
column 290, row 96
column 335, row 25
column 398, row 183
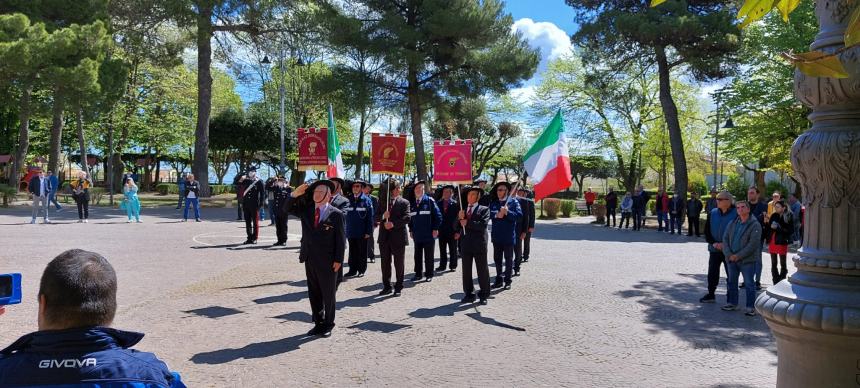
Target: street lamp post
column 718, row 96
column 282, row 166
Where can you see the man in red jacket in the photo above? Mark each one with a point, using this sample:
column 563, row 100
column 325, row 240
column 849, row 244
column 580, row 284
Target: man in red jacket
column 590, row 196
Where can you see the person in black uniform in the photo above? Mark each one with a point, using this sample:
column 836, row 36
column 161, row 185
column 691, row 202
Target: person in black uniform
column 239, row 187
column 472, row 235
column 374, row 201
column 340, row 203
column 359, row 228
column 253, row 199
column 322, row 246
column 450, row 208
column 280, row 192
column 393, row 236
column 525, row 227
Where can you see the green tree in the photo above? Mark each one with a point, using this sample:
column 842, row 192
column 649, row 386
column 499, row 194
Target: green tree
column 437, row 47
column 699, row 37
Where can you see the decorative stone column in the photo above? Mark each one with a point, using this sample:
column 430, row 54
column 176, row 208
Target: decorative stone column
column 815, row 313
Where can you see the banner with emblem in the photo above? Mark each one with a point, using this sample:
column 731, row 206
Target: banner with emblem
column 388, row 154
column 452, row 161
column 313, row 149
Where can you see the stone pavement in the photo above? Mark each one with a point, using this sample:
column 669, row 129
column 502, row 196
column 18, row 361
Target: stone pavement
column 593, row 308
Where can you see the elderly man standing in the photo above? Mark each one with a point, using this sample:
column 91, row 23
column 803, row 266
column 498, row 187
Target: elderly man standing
column 40, row 187
column 322, row 246
column 742, row 248
column 715, row 227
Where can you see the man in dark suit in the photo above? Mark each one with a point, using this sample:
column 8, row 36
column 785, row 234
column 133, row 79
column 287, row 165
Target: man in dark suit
column 374, row 201
column 450, row 209
column 322, row 246
column 472, row 234
column 525, row 227
column 253, row 198
column 280, row 193
column 393, row 236
column 40, row 187
column 340, row 202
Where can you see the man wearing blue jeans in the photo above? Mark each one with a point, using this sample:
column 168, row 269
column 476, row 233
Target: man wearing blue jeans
column 192, row 194
column 715, row 226
column 758, row 210
column 661, row 207
column 52, row 196
column 742, row 248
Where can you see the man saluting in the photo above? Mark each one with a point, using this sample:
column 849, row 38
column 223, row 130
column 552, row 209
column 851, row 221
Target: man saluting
column 322, row 246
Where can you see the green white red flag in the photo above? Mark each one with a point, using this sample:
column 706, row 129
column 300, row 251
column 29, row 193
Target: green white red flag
column 335, row 161
column 548, row 162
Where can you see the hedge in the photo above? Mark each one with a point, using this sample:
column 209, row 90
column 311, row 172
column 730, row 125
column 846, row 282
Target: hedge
column 173, row 189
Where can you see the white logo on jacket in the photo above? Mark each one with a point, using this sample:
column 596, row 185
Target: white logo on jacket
column 68, row 363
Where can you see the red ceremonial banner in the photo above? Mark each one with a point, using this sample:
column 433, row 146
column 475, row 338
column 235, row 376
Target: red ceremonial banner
column 452, row 161
column 388, row 154
column 313, row 149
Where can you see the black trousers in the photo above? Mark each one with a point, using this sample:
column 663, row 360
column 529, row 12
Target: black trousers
column 392, row 255
column 638, row 220
column 447, row 252
column 610, row 212
column 239, row 208
column 507, row 252
column 588, row 207
column 371, row 247
column 357, row 255
column 322, row 287
column 715, row 260
column 83, row 210
column 424, row 259
column 281, row 227
column 252, row 222
column 778, row 274
column 521, row 250
column 481, row 266
column 624, row 217
column 693, row 224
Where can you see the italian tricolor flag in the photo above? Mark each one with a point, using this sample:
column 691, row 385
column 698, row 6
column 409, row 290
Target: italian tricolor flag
column 335, row 161
column 547, row 162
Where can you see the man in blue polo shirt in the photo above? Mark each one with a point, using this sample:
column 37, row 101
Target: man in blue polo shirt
column 75, row 345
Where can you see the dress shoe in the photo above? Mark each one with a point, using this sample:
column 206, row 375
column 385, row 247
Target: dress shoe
column 482, row 302
column 516, row 272
column 396, row 292
column 385, row 291
column 372, row 261
column 440, row 269
column 429, row 279
column 316, row 330
column 507, row 286
column 360, row 275
column 417, row 278
column 279, row 244
column 246, row 242
column 468, row 298
column 325, row 332
column 452, row 269
column 350, row 274
column 253, row 241
column 497, row 284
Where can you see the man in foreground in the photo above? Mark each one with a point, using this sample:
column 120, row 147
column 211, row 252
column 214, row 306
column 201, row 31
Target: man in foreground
column 715, row 227
column 322, row 246
column 472, row 234
column 74, row 344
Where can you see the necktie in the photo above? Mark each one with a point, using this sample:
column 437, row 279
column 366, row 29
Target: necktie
column 445, row 206
column 470, row 212
column 317, row 217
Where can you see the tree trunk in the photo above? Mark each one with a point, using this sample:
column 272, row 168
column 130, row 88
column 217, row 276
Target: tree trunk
column 359, row 155
column 56, row 133
column 670, row 113
column 414, row 100
column 23, row 136
column 157, row 168
column 82, row 143
column 204, row 96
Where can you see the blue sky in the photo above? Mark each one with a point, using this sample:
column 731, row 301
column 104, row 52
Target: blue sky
column 552, row 11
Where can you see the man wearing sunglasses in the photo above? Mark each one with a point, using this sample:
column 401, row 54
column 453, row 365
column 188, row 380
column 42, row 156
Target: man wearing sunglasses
column 715, row 226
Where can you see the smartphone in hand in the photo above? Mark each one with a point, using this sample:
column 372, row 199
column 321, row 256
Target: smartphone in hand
column 10, row 289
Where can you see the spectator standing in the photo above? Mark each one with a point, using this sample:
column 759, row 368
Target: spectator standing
column 742, row 248
column 758, row 211
column 40, row 187
column 778, row 233
column 626, row 211
column 131, row 201
column 77, row 305
column 639, row 202
column 52, row 197
column 776, row 197
column 661, row 207
column 81, row 195
column 645, row 197
column 590, row 196
column 676, row 213
column 180, row 182
column 270, row 197
column 712, row 201
column 192, row 197
column 611, row 204
column 715, row 226
column 239, row 186
column 694, row 211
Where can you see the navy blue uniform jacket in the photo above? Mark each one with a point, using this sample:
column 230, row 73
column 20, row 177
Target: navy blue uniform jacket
column 83, row 357
column 359, row 217
column 505, row 229
column 449, row 218
column 425, row 219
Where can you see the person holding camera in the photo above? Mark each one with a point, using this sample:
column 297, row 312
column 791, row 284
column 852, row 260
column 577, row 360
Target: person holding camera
column 322, row 249
column 192, row 197
column 75, row 345
column 81, row 195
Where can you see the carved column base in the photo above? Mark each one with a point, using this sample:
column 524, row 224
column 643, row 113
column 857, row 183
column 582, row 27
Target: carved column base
column 816, row 321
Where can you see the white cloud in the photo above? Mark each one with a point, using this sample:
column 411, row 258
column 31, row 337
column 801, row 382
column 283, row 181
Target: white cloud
column 523, row 95
column 552, row 41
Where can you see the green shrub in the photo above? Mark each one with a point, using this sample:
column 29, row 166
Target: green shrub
column 551, row 207
column 173, row 189
column 736, row 186
column 567, row 207
column 96, row 194
column 772, row 186
column 8, row 193
column 221, row 189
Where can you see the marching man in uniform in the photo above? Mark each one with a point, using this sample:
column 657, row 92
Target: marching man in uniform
column 340, row 203
column 472, row 235
column 280, row 192
column 505, row 212
column 253, row 199
column 450, row 209
column 393, row 236
column 424, row 229
column 525, row 227
column 371, row 243
column 359, row 228
column 322, row 246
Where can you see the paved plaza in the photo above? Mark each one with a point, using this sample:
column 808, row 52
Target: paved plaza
column 594, row 307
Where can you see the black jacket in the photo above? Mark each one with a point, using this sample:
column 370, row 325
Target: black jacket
column 694, row 208
column 611, row 200
column 255, row 194
column 400, row 218
column 449, row 218
column 281, row 196
column 192, row 186
column 321, row 245
column 528, row 219
column 475, row 238
column 784, row 229
column 375, row 202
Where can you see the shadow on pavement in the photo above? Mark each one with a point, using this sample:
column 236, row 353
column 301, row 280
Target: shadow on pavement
column 258, row 285
column 674, row 307
column 447, row 310
column 255, row 350
column 295, row 316
column 492, row 321
column 286, row 298
column 589, row 232
column 380, row 327
column 214, row 312
column 216, row 246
